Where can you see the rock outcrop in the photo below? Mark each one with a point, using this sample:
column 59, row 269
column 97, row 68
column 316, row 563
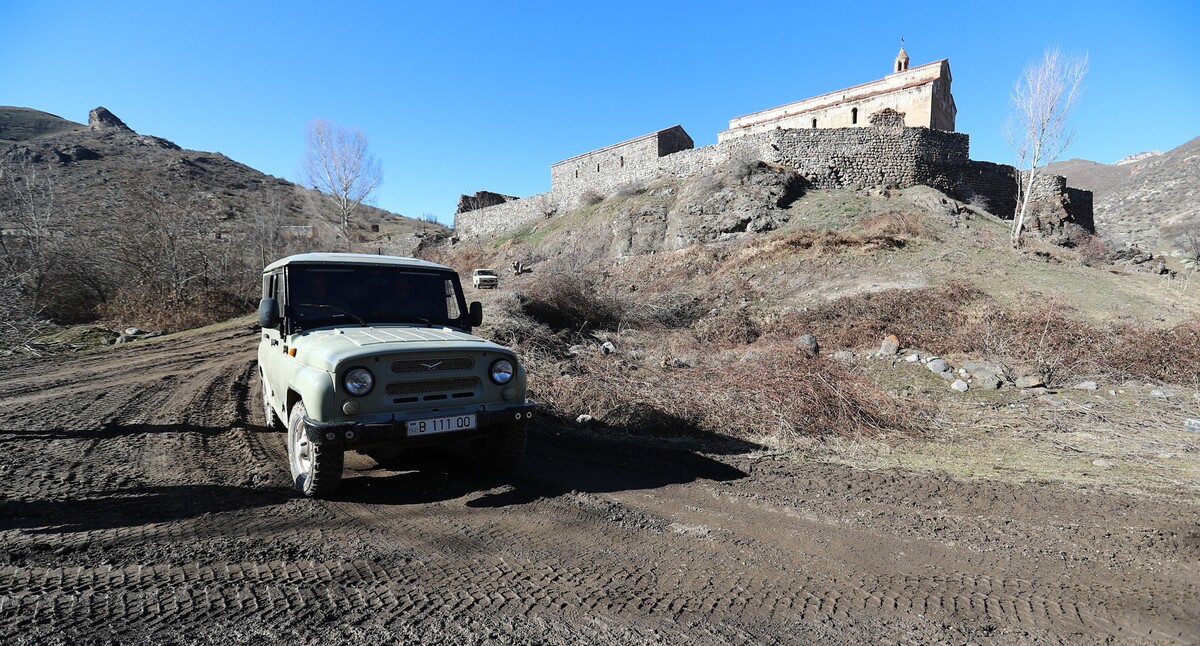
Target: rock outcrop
column 101, row 119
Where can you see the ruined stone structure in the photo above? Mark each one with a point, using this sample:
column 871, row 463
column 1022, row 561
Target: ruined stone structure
column 885, row 149
column 921, row 95
column 614, row 166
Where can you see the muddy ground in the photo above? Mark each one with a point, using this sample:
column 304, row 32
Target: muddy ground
column 143, row 501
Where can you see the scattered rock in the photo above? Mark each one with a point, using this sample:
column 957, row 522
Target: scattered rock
column 948, row 375
column 890, row 346
column 807, row 343
column 987, row 381
column 133, row 331
column 156, row 333
column 1101, row 462
column 959, row 385
column 125, row 338
column 938, row 366
column 607, row 348
column 1031, row 381
column 1161, row 394
column 913, row 358
column 1085, row 385
column 584, row 419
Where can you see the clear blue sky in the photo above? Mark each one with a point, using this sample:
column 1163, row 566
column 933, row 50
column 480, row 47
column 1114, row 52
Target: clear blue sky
column 457, row 97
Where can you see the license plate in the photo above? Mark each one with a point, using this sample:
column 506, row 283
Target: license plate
column 441, row 424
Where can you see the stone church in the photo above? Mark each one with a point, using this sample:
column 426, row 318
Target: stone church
column 921, row 94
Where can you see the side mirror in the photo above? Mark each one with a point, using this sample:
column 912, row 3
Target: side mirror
column 268, row 313
column 476, row 313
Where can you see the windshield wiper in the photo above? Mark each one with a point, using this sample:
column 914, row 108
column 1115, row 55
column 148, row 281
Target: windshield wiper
column 326, row 306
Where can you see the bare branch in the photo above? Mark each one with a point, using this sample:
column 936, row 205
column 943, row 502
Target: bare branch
column 1037, row 130
column 338, row 165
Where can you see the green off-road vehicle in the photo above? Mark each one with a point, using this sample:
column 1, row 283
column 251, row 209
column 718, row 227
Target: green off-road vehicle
column 375, row 354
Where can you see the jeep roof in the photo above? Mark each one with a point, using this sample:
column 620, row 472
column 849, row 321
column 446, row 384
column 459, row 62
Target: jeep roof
column 353, row 259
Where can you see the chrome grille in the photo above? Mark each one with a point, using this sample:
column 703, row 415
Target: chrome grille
column 421, row 388
column 406, row 366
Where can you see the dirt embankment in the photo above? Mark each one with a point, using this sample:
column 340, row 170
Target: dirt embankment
column 143, row 501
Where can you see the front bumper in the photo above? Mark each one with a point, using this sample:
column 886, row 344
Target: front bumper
column 396, row 432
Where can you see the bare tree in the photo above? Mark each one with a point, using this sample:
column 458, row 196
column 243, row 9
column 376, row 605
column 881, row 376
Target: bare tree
column 337, row 164
column 1037, row 130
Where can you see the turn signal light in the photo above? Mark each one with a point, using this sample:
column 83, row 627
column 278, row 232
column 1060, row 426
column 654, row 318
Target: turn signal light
column 292, row 352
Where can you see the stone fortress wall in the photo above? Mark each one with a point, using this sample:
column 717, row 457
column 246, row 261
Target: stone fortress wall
column 883, row 152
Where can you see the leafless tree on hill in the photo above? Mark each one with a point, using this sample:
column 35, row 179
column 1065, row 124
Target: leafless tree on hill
column 337, row 164
column 1042, row 99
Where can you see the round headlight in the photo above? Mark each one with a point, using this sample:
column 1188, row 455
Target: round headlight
column 359, row 381
column 502, row 371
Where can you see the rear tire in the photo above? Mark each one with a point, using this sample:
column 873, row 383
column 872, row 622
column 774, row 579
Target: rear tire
column 316, row 469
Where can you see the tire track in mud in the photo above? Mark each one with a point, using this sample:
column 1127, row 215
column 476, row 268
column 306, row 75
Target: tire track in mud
column 173, row 515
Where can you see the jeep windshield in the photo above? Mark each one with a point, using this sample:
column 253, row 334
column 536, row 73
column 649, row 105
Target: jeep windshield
column 337, row 295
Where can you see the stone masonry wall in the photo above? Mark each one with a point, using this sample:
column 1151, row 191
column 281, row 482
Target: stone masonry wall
column 606, row 170
column 995, row 185
column 828, row 158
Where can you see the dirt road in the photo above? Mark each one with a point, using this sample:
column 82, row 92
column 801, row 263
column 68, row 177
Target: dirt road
column 143, row 501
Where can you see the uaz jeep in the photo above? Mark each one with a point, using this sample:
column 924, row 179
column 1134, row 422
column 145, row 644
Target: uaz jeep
column 374, row 354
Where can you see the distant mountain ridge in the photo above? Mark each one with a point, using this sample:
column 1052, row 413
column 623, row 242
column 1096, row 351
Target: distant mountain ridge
column 1137, row 157
column 1142, row 199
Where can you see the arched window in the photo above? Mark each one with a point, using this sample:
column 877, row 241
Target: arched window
column 854, row 115
column 814, row 122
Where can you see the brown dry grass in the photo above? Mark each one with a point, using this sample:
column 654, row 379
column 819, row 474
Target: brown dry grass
column 171, row 314
column 771, row 395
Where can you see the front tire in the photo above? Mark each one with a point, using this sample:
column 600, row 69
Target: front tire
column 316, row 469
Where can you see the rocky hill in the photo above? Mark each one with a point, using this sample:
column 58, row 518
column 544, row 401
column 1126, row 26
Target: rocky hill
column 1146, row 201
column 95, row 165
column 102, row 219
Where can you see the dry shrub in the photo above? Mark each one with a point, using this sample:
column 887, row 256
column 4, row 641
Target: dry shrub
column 1092, row 251
column 773, row 395
column 1171, row 355
column 727, row 329
column 591, row 197
column 826, row 241
column 1057, row 347
column 778, row 393
column 674, row 309
column 171, row 314
column 896, row 225
column 572, row 302
column 1064, row 349
column 930, row 317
